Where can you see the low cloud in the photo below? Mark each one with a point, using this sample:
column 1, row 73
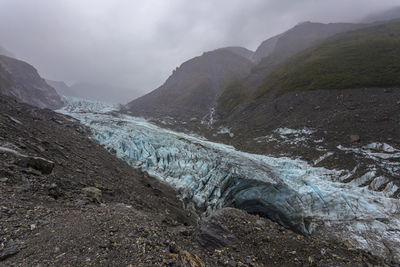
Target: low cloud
column 137, row 44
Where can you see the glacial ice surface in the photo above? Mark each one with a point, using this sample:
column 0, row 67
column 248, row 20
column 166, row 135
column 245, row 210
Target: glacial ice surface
column 215, row 175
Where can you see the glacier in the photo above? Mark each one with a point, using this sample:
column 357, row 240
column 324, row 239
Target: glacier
column 307, row 199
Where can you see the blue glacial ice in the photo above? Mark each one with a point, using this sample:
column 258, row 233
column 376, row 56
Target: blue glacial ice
column 289, row 191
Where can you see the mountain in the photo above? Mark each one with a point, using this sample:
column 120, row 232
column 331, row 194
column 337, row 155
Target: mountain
column 21, row 80
column 227, row 74
column 273, row 52
column 365, row 58
column 389, row 14
column 61, row 87
column 266, row 48
column 344, row 88
column 193, row 88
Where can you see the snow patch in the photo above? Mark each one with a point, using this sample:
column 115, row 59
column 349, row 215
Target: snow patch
column 323, row 157
column 289, row 136
column 209, row 118
column 288, row 131
column 225, row 130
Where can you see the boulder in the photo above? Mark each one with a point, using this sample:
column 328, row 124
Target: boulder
column 212, row 234
column 43, row 165
column 188, row 259
column 355, row 138
column 93, row 194
column 9, row 250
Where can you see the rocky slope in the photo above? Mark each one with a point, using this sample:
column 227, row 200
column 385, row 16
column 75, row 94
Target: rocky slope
column 193, row 88
column 66, row 201
column 21, row 80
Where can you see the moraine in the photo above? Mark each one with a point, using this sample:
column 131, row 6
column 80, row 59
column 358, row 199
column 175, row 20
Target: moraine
column 307, row 199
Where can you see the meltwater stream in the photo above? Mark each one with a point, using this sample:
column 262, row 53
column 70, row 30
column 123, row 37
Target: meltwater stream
column 213, row 175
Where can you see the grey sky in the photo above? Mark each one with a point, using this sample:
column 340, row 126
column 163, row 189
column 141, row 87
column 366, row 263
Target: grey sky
column 137, row 44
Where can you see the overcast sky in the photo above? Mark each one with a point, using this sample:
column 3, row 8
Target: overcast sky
column 137, row 44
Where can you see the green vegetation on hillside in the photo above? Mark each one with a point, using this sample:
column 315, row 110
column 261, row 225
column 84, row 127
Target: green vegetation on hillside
column 364, row 58
column 232, row 95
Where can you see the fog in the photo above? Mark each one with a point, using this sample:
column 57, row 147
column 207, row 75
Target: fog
column 137, row 44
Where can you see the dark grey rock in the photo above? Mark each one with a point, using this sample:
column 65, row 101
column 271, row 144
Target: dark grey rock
column 54, row 191
column 212, row 234
column 9, row 250
column 43, row 165
column 93, row 194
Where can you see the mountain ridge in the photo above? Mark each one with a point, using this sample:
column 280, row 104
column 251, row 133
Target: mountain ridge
column 21, row 80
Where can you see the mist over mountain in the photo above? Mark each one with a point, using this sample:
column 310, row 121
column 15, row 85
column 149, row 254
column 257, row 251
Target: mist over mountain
column 241, row 51
column 103, row 92
column 61, row 87
column 5, row 52
column 94, row 91
column 389, row 14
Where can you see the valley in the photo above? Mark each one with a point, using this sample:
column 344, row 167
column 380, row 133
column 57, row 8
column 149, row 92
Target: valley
column 285, row 154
